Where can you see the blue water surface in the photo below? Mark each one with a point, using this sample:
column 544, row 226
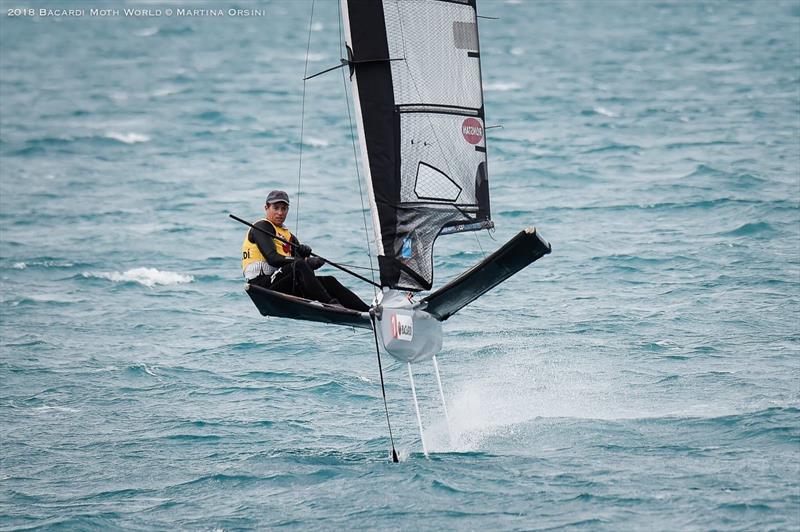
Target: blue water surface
column 645, row 375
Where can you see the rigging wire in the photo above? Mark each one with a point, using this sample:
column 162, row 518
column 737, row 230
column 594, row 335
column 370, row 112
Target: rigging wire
column 302, row 123
column 478, row 240
column 355, row 159
column 383, row 386
column 358, row 267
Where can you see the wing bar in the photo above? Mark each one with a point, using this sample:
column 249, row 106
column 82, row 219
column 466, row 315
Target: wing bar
column 526, row 247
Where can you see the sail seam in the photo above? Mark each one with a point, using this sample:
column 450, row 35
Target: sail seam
column 437, row 109
column 407, row 204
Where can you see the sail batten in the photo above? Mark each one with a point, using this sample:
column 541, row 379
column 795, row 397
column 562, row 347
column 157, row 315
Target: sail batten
column 442, row 109
column 419, row 106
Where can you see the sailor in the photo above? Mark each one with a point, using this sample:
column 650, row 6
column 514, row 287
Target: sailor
column 287, row 265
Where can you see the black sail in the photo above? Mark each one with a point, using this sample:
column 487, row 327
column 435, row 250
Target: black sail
column 416, row 79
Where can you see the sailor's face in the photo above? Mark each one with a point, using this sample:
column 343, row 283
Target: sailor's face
column 276, row 212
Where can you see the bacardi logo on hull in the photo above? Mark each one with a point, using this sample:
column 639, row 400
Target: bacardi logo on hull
column 402, row 327
column 472, row 130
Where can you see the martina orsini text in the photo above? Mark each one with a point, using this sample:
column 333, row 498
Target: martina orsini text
column 133, row 12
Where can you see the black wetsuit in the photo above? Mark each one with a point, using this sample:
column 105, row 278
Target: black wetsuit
column 296, row 277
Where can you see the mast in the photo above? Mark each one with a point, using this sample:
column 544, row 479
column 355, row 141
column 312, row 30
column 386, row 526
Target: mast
column 376, row 227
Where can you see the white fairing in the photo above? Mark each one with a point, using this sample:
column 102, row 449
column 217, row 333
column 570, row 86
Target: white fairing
column 407, row 333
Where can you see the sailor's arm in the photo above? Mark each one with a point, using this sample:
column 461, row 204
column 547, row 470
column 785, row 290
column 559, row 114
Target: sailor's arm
column 266, row 244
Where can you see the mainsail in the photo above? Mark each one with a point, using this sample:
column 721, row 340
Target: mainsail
column 416, row 81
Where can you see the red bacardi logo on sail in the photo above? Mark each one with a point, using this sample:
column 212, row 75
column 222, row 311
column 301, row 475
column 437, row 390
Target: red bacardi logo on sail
column 472, row 130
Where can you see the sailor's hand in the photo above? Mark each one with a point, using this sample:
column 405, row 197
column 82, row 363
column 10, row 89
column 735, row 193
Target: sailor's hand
column 303, row 250
column 315, row 262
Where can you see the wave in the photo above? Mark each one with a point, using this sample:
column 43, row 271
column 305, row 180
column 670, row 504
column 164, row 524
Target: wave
column 775, row 424
column 502, row 86
column 66, row 143
column 316, row 142
column 210, row 116
column 598, row 110
column 750, row 229
column 614, row 147
column 180, row 30
column 193, row 437
column 744, row 180
column 127, row 138
column 698, row 204
column 146, row 32
column 148, row 277
column 704, row 170
column 628, row 258
column 166, row 91
column 220, row 478
column 700, row 144
column 44, row 409
column 141, row 370
column 50, row 299
column 312, row 57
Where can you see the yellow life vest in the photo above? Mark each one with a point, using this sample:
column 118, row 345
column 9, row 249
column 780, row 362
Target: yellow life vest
column 253, row 261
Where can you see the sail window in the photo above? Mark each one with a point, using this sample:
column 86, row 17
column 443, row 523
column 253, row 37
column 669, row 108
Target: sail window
column 434, row 185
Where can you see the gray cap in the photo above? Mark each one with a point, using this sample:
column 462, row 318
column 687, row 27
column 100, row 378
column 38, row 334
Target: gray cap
column 276, row 196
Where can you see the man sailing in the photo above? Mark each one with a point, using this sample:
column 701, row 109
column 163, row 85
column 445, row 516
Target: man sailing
column 289, row 267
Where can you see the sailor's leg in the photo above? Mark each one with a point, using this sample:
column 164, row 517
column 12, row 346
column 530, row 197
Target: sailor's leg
column 307, row 283
column 262, row 280
column 283, row 282
column 346, row 297
column 298, row 279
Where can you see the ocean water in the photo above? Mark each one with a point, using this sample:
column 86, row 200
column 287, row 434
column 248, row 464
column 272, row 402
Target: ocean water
column 645, row 375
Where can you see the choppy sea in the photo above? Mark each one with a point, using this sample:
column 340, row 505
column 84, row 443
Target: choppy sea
column 645, row 375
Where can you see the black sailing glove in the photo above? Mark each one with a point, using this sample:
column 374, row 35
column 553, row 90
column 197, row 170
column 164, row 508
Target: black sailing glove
column 303, row 251
column 315, row 263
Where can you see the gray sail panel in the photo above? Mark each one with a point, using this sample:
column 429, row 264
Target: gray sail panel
column 436, row 159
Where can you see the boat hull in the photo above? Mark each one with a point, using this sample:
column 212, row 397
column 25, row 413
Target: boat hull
column 272, row 303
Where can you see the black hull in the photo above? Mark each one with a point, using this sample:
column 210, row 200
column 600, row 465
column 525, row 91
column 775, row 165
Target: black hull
column 279, row 305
